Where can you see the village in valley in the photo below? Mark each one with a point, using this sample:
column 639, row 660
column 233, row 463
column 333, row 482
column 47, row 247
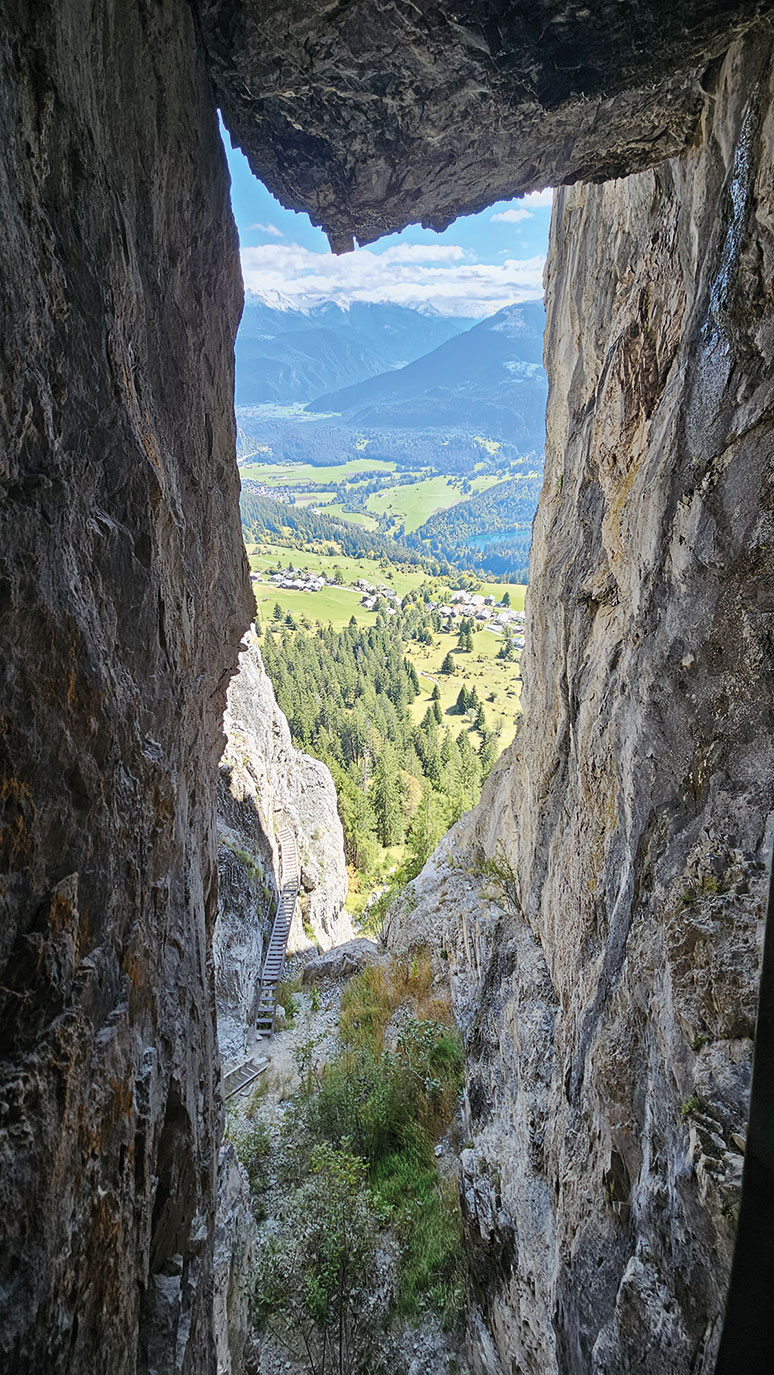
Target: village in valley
column 461, row 605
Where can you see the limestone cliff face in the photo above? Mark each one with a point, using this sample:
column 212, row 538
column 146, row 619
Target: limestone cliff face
column 266, row 783
column 123, row 594
column 602, row 909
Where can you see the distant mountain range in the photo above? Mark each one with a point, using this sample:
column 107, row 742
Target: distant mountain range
column 430, row 395
column 489, row 377
column 382, row 368
column 285, row 355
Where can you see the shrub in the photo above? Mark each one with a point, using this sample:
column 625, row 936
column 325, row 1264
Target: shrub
column 316, row 1286
column 366, row 1007
column 285, row 991
column 253, row 1146
column 426, row 1216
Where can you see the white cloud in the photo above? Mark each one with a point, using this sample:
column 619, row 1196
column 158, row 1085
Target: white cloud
column 536, row 200
column 421, row 253
column 513, row 216
column 539, row 198
column 266, row 229
column 443, row 276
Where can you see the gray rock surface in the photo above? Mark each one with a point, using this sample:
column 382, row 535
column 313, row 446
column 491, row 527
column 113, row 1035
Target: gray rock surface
column 342, row 961
column 374, row 115
column 265, row 784
column 123, row 595
column 601, row 912
column 234, row 1265
column 609, row 1002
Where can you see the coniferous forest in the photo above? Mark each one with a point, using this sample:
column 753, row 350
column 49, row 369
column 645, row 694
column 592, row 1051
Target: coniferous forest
column 347, row 696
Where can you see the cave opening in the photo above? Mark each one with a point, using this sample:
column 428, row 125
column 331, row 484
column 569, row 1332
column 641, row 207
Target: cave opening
column 634, row 814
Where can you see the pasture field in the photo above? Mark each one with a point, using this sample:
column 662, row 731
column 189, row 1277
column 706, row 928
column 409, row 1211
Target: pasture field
column 331, row 605
column 337, row 604
column 481, row 670
column 409, row 503
column 335, row 508
column 292, row 474
column 413, row 503
column 403, row 580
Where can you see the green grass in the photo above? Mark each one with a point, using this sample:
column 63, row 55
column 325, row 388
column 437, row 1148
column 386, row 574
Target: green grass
column 291, row 474
column 517, row 591
column 426, row 1216
column 413, row 503
column 334, row 605
column 402, row 579
column 322, row 498
column 336, row 508
column 481, row 670
column 391, row 1107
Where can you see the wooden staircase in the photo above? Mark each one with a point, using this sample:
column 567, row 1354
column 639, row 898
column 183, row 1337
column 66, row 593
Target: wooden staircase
column 274, row 962
column 243, row 1076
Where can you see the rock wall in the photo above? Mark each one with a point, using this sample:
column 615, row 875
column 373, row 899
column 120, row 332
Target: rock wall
column 123, row 595
column 601, row 912
column 266, row 783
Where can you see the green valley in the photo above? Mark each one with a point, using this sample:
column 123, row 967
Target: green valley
column 407, row 688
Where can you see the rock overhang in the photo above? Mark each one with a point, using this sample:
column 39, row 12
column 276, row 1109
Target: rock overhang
column 374, row 114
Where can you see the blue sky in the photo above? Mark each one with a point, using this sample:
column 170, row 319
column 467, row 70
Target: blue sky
column 476, row 266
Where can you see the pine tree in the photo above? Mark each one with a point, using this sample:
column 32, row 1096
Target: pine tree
column 429, row 825
column 385, row 798
column 448, row 665
column 435, row 697
column 507, row 599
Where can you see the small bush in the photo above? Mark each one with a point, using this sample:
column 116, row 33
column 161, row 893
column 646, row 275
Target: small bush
column 387, row 1107
column 425, row 1213
column 316, row 1280
column 252, row 1144
column 285, row 991
column 257, row 1096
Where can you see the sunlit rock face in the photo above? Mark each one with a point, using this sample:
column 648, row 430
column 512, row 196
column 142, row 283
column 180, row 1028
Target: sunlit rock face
column 123, row 595
column 601, row 912
column 265, row 785
column 372, row 115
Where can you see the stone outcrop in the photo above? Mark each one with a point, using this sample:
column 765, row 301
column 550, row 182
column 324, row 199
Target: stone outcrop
column 343, row 961
column 601, row 912
column 265, row 783
column 233, row 1265
column 374, row 115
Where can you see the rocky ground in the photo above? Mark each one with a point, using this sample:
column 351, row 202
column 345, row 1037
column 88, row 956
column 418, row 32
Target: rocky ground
column 423, row 1349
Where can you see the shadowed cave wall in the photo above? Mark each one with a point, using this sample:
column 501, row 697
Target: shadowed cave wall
column 123, row 592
